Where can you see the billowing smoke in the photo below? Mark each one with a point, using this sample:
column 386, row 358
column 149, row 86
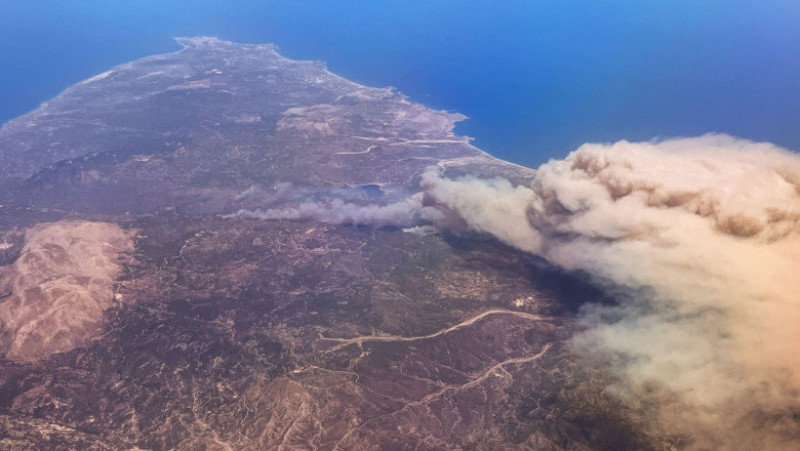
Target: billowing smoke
column 406, row 212
column 700, row 237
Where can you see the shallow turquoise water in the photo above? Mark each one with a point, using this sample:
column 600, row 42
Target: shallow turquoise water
column 537, row 78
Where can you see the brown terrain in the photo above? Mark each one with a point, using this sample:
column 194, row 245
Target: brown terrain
column 223, row 249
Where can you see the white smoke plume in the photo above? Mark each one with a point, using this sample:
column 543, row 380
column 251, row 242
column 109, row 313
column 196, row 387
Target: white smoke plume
column 406, row 212
column 704, row 233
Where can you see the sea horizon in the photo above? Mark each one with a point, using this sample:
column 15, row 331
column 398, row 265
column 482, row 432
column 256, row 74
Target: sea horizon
column 536, row 81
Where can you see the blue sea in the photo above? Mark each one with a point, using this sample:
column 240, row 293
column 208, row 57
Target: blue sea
column 536, row 77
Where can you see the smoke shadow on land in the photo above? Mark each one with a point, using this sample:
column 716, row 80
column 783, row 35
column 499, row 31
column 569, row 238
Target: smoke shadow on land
column 565, row 292
column 568, row 291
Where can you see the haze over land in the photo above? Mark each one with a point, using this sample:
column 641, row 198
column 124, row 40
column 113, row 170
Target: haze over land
column 224, row 247
column 194, row 323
